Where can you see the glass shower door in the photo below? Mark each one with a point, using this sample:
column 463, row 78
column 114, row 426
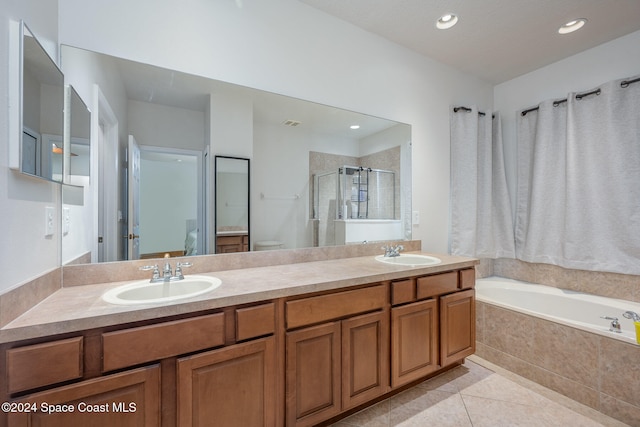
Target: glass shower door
column 381, row 194
column 325, row 209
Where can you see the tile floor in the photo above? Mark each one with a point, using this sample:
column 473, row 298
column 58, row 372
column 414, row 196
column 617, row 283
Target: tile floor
column 478, row 394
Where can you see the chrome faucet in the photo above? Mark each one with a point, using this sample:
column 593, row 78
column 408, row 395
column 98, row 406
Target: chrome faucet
column 166, row 271
column 615, row 324
column 392, row 251
column 167, row 275
column 631, row 315
column 155, row 277
column 179, row 266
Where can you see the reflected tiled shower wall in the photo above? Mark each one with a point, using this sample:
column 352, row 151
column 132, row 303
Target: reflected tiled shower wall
column 386, row 160
column 612, row 285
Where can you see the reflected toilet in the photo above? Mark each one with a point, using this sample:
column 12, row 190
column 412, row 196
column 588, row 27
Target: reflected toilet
column 267, row 245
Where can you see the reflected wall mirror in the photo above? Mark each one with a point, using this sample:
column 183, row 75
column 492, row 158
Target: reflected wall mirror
column 232, row 204
column 39, row 116
column 287, row 140
column 76, row 147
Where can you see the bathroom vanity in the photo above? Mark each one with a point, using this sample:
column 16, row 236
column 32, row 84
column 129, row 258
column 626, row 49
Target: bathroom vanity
column 297, row 344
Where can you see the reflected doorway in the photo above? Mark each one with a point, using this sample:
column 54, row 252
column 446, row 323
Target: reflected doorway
column 171, row 202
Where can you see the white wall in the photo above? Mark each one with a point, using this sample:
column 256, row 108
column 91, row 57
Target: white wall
column 281, row 174
column 578, row 73
column 287, row 47
column 24, row 251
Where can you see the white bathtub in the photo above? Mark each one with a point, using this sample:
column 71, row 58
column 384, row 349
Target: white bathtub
column 576, row 309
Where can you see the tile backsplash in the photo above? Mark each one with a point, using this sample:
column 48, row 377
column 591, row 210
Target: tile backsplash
column 612, row 285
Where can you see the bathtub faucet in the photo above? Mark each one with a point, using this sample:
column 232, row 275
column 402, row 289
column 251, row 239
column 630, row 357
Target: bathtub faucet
column 615, row 325
column 391, row 250
column 631, row 315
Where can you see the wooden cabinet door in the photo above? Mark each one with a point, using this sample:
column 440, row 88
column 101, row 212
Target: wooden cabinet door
column 232, row 386
column 313, row 374
column 457, row 326
column 130, row 398
column 365, row 358
column 414, row 341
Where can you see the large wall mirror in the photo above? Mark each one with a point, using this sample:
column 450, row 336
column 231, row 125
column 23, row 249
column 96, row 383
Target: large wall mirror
column 288, row 141
column 39, row 132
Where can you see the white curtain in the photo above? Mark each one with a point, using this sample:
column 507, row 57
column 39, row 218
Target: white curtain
column 578, row 201
column 481, row 220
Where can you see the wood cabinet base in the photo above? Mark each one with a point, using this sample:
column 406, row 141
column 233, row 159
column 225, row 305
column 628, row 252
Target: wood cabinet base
column 129, row 398
column 233, row 386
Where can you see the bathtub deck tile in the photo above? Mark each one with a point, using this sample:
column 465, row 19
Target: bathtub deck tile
column 556, row 276
column 576, row 391
column 480, row 307
column 509, row 331
column 620, row 370
column 566, row 351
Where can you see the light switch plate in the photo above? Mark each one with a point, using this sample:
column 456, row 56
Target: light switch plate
column 415, row 218
column 49, row 221
column 66, row 220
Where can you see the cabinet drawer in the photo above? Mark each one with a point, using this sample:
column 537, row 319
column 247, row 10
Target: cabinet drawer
column 333, row 306
column 468, row 278
column 43, row 364
column 252, row 322
column 147, row 343
column 437, row 284
column 403, row 291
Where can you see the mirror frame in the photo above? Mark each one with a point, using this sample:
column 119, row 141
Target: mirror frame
column 217, row 202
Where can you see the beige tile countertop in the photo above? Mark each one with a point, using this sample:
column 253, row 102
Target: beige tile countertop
column 77, row 308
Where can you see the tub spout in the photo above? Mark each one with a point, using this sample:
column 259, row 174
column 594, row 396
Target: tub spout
column 632, row 315
column 615, row 325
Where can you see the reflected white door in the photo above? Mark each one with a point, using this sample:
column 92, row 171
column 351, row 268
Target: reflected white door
column 134, row 199
column 104, row 160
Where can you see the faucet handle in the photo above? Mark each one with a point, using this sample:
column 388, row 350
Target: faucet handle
column 156, row 271
column 179, row 266
column 615, row 324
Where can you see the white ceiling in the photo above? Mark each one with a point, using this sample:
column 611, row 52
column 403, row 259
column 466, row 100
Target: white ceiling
column 495, row 40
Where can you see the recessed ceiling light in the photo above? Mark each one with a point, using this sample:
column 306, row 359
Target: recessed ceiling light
column 446, row 21
column 355, row 127
column 572, row 26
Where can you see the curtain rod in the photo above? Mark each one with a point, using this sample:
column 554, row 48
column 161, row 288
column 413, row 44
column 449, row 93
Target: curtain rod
column 468, row 110
column 579, row 96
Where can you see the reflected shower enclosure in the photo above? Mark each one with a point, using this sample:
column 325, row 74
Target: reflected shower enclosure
column 352, row 195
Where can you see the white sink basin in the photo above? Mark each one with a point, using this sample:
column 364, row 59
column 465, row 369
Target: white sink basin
column 144, row 292
column 409, row 260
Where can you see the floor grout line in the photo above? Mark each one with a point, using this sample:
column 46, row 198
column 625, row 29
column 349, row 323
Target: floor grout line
column 466, row 409
column 475, row 371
